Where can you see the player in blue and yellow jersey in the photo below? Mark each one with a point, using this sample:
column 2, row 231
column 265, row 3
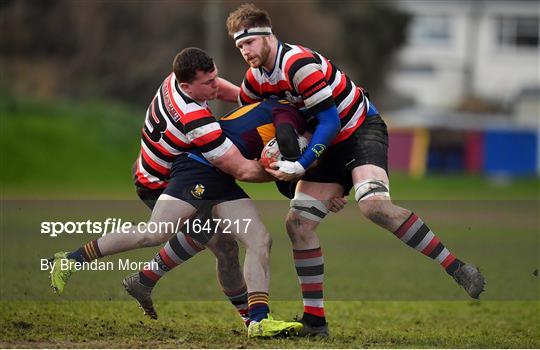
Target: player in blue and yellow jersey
column 249, row 128
column 178, row 122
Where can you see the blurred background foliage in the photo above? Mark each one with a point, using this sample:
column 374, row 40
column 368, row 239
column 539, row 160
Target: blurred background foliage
column 77, row 76
column 123, row 49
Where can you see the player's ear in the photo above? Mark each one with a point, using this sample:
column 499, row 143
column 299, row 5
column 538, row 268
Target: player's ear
column 186, row 87
column 287, row 139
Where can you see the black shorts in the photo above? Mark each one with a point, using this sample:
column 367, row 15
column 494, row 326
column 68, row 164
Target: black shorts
column 286, row 188
column 150, row 197
column 367, row 145
column 201, row 185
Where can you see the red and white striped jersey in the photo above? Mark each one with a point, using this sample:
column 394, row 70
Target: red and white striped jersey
column 312, row 83
column 174, row 124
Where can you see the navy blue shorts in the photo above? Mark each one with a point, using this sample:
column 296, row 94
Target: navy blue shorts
column 201, row 185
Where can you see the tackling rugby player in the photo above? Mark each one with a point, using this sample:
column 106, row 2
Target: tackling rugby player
column 350, row 142
column 177, row 121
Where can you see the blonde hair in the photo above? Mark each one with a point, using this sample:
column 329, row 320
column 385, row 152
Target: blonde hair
column 247, row 16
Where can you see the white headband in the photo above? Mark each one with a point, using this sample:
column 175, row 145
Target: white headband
column 242, row 34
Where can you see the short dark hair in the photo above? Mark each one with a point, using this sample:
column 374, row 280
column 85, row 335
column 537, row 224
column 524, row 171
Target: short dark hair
column 190, row 60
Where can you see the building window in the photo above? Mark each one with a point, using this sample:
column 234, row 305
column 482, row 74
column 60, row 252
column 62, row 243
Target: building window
column 430, row 30
column 517, row 32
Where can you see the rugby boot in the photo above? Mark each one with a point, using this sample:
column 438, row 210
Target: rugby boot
column 62, row 269
column 313, row 331
column 141, row 293
column 471, row 279
column 268, row 327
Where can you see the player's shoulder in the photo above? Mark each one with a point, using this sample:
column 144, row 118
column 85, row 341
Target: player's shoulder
column 295, row 52
column 294, row 56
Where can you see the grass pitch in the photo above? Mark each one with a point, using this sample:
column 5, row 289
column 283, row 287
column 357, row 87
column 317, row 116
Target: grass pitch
column 379, row 292
column 214, row 325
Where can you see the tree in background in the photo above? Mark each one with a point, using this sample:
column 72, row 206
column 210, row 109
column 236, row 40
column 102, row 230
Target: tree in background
column 94, row 49
column 123, row 49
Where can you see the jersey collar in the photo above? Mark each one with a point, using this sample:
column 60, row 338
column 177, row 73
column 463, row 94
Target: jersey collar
column 187, row 97
column 278, row 53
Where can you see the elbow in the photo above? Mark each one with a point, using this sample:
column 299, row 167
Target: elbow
column 244, row 178
column 330, row 121
column 238, row 172
column 243, row 174
column 333, row 126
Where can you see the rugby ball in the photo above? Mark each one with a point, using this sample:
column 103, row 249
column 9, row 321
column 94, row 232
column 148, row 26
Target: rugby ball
column 271, row 153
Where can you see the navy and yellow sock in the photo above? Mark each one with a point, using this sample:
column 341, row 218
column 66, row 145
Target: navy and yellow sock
column 258, row 306
column 88, row 252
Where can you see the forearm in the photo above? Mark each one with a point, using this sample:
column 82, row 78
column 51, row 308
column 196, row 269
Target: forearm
column 254, row 172
column 227, row 91
column 234, row 164
column 324, row 134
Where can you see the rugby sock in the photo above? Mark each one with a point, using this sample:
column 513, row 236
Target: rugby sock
column 258, row 306
column 178, row 249
column 88, row 252
column 239, row 299
column 309, row 265
column 417, row 235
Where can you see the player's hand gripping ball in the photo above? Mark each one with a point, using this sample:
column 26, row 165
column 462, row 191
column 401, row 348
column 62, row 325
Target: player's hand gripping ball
column 271, row 153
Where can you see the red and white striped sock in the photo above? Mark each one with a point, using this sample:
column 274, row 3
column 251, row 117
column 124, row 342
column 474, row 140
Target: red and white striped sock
column 239, row 299
column 178, row 249
column 415, row 233
column 309, row 265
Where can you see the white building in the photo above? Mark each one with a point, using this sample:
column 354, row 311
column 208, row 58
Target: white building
column 458, row 49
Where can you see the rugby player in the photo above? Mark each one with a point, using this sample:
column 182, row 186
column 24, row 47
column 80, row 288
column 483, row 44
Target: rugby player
column 177, row 121
column 249, row 128
column 350, row 141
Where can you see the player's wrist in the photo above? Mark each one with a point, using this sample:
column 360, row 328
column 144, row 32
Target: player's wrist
column 291, row 167
column 299, row 167
column 306, row 161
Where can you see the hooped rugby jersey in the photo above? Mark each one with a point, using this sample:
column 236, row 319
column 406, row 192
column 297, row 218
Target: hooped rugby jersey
column 174, row 124
column 312, row 83
column 250, row 128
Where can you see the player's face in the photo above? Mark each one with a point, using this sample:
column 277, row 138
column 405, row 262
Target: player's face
column 204, row 87
column 255, row 50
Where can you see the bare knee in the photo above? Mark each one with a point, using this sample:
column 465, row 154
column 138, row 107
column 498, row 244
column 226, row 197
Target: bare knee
column 155, row 233
column 152, row 239
column 225, row 249
column 383, row 212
